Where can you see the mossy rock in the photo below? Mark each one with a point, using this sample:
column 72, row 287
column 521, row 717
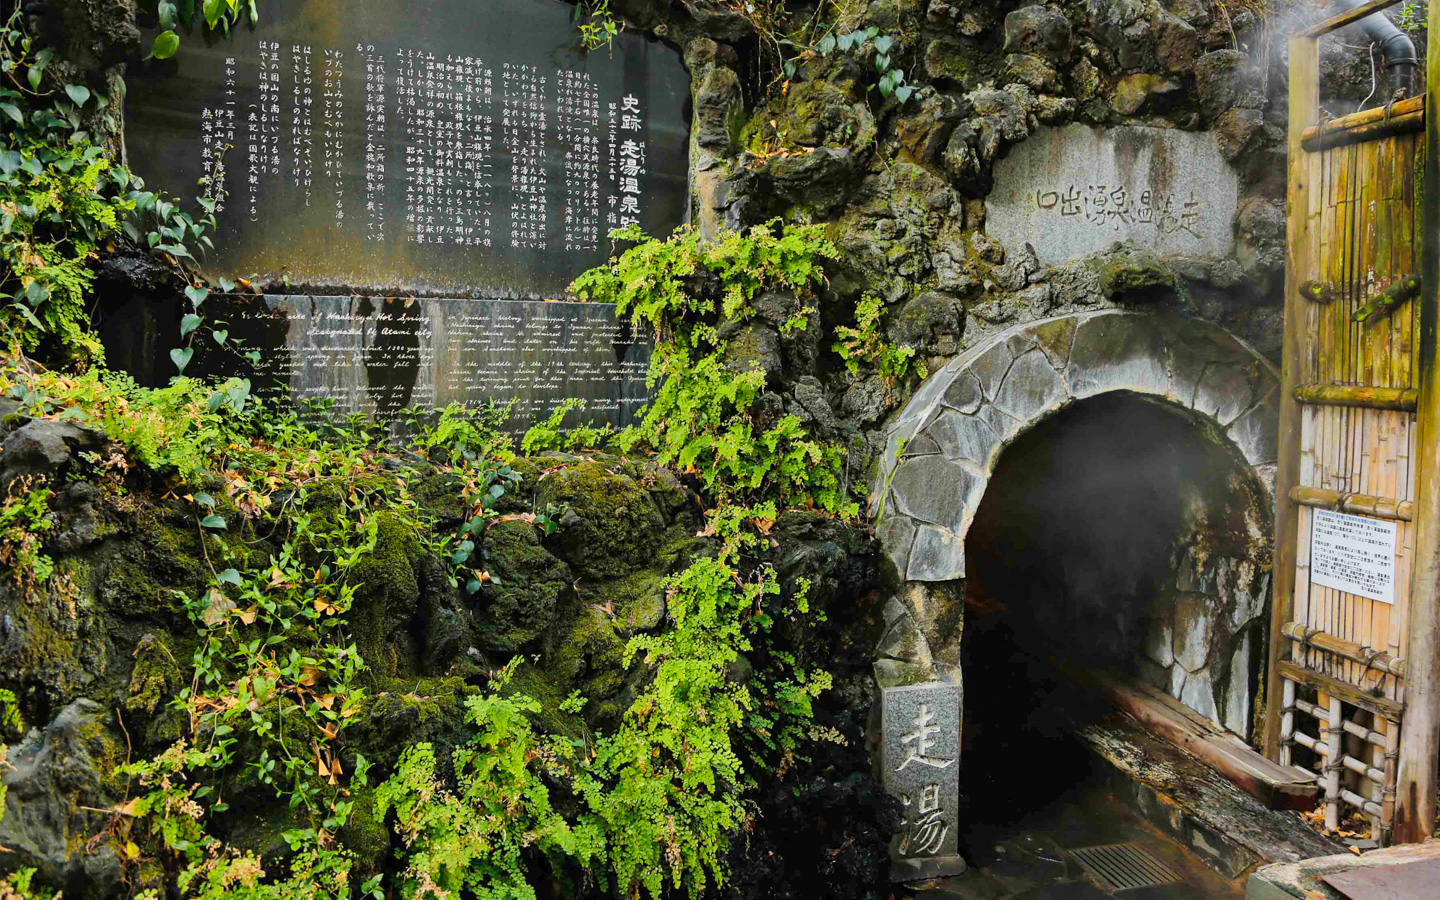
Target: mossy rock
column 365, row 835
column 1134, row 276
column 259, row 824
column 387, row 594
column 588, row 657
column 614, row 527
column 154, row 681
column 517, row 609
column 965, row 62
column 542, row 684
column 817, row 113
column 403, row 712
column 441, row 495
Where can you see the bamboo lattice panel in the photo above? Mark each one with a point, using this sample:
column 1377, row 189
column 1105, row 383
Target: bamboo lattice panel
column 1363, row 230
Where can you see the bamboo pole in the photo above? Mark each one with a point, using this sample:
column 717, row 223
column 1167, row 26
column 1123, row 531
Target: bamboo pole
column 1387, row 798
column 1304, row 107
column 1287, row 722
column 1349, row 762
column 1360, row 731
column 1360, row 504
column 1354, row 395
column 1351, row 650
column 1332, row 766
column 1420, row 730
column 1355, row 800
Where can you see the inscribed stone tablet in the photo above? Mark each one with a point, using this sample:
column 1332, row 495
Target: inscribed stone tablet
column 1076, row 190
column 444, row 147
column 921, row 768
column 380, row 357
column 1353, row 553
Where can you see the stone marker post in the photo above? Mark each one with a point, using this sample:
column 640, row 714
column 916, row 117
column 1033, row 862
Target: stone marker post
column 921, row 760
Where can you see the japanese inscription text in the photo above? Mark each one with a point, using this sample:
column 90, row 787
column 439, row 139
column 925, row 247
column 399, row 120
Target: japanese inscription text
column 922, row 755
column 445, row 154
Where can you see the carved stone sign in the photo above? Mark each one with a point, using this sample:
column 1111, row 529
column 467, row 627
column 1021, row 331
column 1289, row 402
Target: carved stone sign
column 1076, row 190
column 444, row 149
column 380, row 357
column 921, row 760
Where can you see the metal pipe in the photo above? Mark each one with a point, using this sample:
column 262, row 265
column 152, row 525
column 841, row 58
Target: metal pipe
column 1399, row 50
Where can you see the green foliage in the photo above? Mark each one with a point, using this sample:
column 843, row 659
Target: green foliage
column 550, row 434
column 662, row 796
column 172, row 15
column 274, row 669
column 682, row 289
column 24, row 518
column 12, row 726
column 16, row 885
column 63, row 198
column 597, row 24
column 171, row 429
column 866, row 343
column 890, row 77
column 60, row 197
column 170, row 815
column 474, row 837
column 460, row 433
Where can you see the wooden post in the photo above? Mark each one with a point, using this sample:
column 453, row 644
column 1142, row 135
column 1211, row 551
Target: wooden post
column 1420, row 732
column 1304, row 107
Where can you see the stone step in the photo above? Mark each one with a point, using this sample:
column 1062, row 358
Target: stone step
column 1410, row 872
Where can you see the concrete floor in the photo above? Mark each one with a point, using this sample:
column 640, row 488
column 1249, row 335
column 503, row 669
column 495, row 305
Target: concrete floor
column 1026, row 859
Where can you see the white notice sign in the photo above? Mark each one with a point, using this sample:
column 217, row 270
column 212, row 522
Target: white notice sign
column 1354, row 554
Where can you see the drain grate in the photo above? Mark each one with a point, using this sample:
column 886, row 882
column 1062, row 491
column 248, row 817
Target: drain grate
column 1120, row 867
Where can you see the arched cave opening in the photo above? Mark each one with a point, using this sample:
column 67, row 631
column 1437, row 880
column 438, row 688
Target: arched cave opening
column 1125, row 538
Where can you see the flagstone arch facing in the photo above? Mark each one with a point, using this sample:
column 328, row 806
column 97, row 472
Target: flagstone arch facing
column 943, row 447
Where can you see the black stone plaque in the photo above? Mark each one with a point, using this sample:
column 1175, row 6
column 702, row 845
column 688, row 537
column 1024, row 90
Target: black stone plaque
column 436, row 149
column 442, row 147
column 380, row 356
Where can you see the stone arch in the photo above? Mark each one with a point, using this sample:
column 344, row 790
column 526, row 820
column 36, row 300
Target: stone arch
column 942, row 448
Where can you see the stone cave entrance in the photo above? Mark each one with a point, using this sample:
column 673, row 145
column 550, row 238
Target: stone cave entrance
column 1121, row 538
column 1093, row 492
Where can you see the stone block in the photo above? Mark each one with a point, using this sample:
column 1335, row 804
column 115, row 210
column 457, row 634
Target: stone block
column 1254, row 433
column 937, row 554
column 1032, row 388
column 1237, row 714
column 1118, row 353
column 1076, row 190
column 1194, row 624
column 920, row 763
column 1199, row 694
column 1225, row 391
column 964, row 393
column 934, row 489
column 896, row 532
column 965, row 437
column 990, row 368
column 1054, row 338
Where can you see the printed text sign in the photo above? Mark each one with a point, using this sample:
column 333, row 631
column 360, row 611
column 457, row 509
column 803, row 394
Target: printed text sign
column 1353, row 554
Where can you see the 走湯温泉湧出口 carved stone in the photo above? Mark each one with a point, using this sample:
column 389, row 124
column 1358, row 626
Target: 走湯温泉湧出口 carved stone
column 920, row 760
column 1077, row 190
column 449, row 155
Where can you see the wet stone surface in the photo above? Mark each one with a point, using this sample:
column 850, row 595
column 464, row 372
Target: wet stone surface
column 1032, row 860
column 922, row 768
